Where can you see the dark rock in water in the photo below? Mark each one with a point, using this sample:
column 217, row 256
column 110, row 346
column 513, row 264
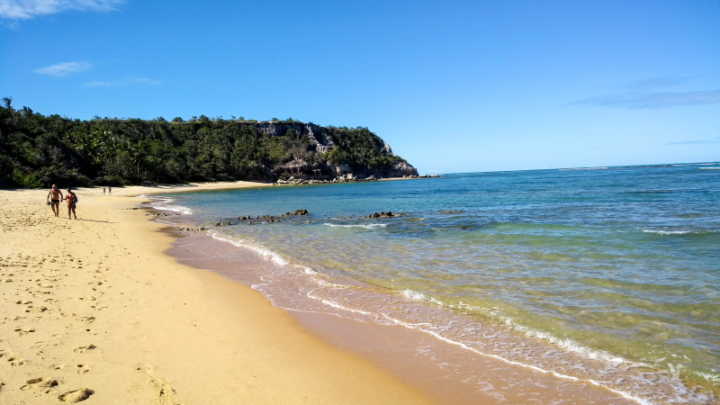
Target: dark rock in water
column 383, row 214
column 450, row 212
column 262, row 218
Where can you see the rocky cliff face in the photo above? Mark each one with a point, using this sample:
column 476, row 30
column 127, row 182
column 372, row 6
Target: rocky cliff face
column 331, row 153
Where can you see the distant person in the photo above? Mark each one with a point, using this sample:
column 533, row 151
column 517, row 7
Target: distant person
column 104, row 190
column 72, row 201
column 53, row 199
column 109, row 190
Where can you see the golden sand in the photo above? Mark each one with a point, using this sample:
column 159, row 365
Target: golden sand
column 94, row 312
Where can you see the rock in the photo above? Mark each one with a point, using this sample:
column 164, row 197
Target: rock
column 261, row 218
column 383, row 214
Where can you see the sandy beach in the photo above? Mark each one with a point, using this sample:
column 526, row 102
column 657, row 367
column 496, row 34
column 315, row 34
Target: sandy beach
column 94, row 311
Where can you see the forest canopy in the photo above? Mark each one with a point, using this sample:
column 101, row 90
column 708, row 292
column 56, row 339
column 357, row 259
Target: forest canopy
column 37, row 150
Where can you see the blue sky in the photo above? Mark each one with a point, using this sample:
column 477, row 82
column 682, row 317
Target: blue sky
column 452, row 86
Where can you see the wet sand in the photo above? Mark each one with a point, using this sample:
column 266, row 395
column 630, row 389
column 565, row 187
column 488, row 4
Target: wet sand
column 447, row 373
column 94, row 311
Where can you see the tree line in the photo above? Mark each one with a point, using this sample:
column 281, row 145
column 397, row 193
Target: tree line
column 37, row 150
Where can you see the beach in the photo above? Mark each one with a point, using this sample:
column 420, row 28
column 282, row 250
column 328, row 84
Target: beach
column 586, row 285
column 94, row 311
column 162, row 295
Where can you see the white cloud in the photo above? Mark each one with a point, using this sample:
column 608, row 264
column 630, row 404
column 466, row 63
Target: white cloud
column 26, row 9
column 63, row 69
column 124, row 82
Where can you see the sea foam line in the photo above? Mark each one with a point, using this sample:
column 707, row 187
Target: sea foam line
column 567, row 344
column 163, row 204
column 661, row 232
column 363, row 226
column 464, row 346
column 418, row 296
column 265, row 253
column 336, row 305
column 440, row 337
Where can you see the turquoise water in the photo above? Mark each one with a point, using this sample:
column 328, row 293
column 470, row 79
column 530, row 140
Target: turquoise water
column 617, row 263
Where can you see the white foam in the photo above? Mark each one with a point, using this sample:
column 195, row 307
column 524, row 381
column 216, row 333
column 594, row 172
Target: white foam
column 308, row 270
column 661, row 232
column 713, row 378
column 263, row 252
column 174, row 208
column 336, row 305
column 710, row 168
column 319, row 281
column 413, row 295
column 163, row 204
column 567, row 344
column 418, row 296
column 363, row 226
column 464, row 346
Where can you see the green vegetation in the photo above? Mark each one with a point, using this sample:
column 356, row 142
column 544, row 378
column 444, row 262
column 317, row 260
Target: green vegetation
column 37, row 150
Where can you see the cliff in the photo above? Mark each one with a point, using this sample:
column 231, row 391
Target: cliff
column 36, row 150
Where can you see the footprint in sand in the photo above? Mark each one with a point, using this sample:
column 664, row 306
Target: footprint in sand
column 166, row 392
column 75, row 396
column 83, row 349
column 47, row 386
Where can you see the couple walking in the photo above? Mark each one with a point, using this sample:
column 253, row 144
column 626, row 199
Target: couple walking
column 55, row 196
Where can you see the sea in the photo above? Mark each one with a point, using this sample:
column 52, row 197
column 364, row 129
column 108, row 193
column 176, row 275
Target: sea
column 606, row 275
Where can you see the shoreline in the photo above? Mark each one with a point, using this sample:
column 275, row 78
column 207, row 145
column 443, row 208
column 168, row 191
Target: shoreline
column 398, row 350
column 338, row 334
column 371, row 345
column 401, row 349
column 97, row 312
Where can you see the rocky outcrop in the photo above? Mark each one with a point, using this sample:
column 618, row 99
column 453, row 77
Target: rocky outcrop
column 383, row 214
column 326, row 166
column 262, row 219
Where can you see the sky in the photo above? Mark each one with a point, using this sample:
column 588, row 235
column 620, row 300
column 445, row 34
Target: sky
column 453, row 86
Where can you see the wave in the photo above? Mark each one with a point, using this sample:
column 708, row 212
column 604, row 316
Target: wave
column 569, row 344
column 174, row 208
column 566, row 344
column 709, row 168
column 556, row 374
column 277, row 259
column 674, row 232
column 163, row 204
column 413, row 295
column 263, row 252
column 428, row 329
column 363, row 226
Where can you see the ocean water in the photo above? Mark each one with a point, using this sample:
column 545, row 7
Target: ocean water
column 605, row 275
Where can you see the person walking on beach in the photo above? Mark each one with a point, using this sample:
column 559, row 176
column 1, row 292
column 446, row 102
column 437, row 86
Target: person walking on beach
column 72, row 200
column 53, row 199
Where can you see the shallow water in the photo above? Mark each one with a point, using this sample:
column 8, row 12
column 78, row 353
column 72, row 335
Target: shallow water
column 609, row 276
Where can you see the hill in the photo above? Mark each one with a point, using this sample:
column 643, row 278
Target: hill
column 37, row 150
